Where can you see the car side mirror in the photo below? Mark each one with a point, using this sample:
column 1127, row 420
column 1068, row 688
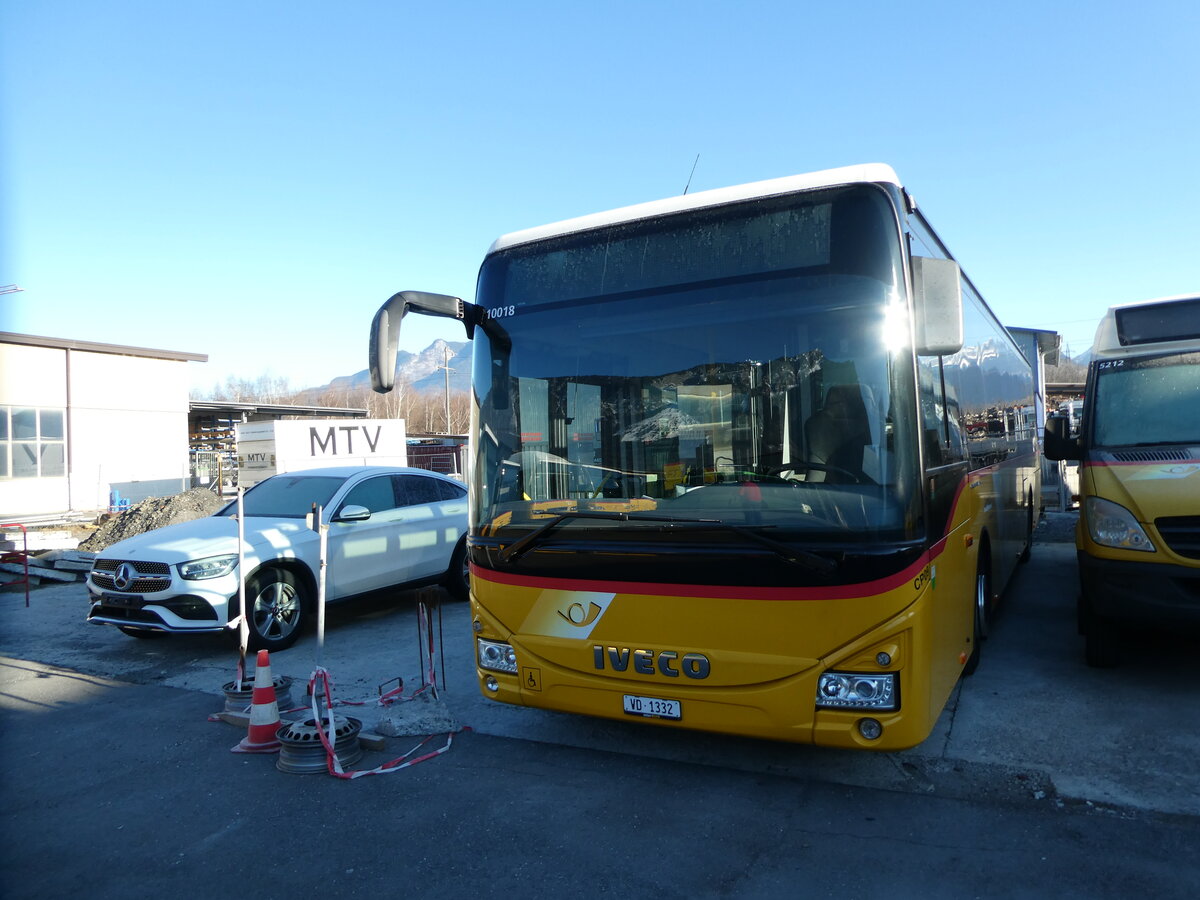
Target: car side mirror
column 353, row 514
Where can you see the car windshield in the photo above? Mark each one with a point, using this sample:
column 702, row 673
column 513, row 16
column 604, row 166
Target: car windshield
column 288, row 496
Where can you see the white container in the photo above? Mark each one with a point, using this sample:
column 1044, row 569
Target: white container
column 267, row 448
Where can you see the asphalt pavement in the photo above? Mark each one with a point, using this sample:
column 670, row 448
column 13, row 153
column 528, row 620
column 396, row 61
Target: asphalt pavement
column 1042, row 778
column 1033, row 720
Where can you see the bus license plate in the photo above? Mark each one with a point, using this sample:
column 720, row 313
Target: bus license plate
column 652, row 707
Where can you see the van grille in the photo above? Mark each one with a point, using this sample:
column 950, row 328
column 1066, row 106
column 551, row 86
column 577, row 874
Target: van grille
column 1181, row 534
column 1152, row 456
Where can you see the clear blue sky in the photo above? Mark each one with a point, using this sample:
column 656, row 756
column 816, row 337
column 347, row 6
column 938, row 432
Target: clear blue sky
column 251, row 180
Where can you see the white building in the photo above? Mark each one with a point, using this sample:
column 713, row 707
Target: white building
column 82, row 422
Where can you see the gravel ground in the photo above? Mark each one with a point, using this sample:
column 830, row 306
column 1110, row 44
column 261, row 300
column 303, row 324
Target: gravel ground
column 1056, row 527
column 151, row 513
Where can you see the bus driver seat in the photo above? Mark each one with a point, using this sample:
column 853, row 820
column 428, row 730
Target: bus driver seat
column 836, row 435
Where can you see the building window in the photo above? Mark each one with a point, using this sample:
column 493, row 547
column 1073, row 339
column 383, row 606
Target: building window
column 32, row 442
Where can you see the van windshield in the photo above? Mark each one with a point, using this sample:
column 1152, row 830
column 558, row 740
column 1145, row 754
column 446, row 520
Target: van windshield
column 1148, row 401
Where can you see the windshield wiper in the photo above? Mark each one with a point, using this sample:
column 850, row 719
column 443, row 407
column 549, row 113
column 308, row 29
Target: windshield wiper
column 790, row 554
column 515, row 549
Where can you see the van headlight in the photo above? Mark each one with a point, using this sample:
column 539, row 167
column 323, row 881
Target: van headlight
column 852, row 690
column 497, row 656
column 1112, row 525
column 210, row 567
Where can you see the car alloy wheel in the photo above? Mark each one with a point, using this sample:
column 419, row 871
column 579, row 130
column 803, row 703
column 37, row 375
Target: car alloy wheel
column 276, row 609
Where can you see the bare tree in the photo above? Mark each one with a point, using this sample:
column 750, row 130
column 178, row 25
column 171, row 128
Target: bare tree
column 424, row 411
column 1066, row 371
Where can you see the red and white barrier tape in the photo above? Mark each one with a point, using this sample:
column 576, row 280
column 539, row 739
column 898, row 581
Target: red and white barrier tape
column 395, row 695
column 328, row 740
column 395, row 765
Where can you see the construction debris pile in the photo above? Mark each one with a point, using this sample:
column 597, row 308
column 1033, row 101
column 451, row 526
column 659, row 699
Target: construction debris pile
column 152, row 513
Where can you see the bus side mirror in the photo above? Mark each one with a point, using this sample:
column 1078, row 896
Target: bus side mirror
column 385, row 329
column 1058, row 445
column 937, row 302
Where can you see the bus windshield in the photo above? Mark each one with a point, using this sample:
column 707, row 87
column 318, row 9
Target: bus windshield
column 1147, row 401
column 729, row 367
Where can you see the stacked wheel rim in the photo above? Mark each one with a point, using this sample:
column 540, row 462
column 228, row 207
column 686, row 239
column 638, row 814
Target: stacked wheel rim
column 239, row 700
column 302, row 752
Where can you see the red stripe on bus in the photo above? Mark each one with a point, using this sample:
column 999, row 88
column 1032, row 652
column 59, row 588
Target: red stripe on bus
column 738, row 592
column 1101, row 463
column 711, row 591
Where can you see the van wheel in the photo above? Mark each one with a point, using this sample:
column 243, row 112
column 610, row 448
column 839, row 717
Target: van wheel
column 277, row 602
column 1101, row 639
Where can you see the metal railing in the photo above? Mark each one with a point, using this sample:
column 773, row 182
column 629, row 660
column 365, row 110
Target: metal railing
column 22, row 556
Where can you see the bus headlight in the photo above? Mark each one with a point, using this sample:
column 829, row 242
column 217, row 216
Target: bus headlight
column 1112, row 525
column 497, row 656
column 850, row 690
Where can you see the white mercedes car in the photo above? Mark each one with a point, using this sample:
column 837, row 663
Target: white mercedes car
column 387, row 527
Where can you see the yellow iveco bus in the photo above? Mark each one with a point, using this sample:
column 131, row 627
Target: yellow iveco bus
column 748, row 461
column 1138, row 535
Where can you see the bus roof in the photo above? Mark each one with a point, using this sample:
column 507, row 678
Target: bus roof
column 1162, row 325
column 870, row 173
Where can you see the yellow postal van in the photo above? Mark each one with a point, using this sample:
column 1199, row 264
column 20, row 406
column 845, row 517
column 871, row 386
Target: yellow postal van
column 1138, row 537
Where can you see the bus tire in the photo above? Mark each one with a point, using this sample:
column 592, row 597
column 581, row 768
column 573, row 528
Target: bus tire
column 979, row 615
column 1024, row 557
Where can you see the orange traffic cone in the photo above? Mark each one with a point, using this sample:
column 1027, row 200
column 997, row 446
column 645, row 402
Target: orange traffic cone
column 264, row 712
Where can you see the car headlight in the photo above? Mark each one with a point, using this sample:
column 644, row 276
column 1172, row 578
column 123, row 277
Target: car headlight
column 497, row 656
column 851, row 690
column 210, row 567
column 1112, row 525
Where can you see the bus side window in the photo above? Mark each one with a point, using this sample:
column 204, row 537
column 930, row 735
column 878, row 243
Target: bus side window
column 941, row 434
column 932, row 416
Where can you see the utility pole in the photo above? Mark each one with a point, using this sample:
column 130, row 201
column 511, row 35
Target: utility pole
column 446, row 367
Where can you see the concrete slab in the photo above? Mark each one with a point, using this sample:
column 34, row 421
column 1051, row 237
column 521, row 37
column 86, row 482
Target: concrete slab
column 44, row 572
column 39, row 540
column 1108, row 735
column 72, row 565
column 57, row 557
